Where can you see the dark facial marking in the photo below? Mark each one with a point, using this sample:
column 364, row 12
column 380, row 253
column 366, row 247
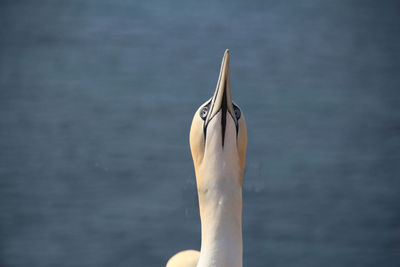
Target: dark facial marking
column 238, row 114
column 224, row 108
column 203, row 113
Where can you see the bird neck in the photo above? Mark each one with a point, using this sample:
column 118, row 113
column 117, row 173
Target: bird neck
column 220, row 201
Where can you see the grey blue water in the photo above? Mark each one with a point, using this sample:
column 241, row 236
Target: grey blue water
column 96, row 102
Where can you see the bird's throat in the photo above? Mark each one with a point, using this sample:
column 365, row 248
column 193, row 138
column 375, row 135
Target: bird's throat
column 221, row 224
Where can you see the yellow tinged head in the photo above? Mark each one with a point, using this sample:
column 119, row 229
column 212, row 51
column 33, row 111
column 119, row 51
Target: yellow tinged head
column 218, row 136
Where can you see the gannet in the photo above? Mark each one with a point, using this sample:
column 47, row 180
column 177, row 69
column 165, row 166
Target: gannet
column 218, row 140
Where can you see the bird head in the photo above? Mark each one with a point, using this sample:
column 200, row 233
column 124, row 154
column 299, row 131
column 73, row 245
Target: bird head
column 218, row 136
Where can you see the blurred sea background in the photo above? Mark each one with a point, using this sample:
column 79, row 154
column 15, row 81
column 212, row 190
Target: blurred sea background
column 96, row 102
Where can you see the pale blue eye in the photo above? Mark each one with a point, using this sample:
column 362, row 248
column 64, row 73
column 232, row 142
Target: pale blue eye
column 204, row 112
column 237, row 112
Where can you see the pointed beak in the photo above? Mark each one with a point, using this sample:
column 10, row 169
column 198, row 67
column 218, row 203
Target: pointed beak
column 222, row 96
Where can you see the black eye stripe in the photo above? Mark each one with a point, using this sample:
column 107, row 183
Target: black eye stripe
column 204, row 111
column 238, row 113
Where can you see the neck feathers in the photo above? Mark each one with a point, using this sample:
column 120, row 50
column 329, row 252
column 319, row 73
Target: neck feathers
column 221, row 223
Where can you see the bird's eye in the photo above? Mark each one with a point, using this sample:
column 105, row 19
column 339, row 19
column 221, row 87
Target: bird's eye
column 204, row 112
column 237, row 112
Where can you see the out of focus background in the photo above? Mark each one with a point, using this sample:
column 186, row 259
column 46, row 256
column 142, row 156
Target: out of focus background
column 96, row 102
